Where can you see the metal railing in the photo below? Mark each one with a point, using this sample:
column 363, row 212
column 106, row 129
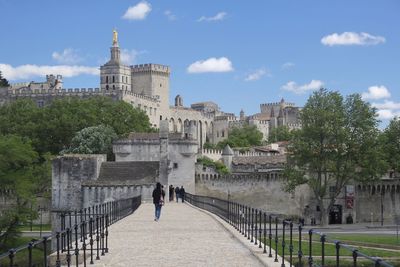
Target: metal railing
column 82, row 237
column 274, row 232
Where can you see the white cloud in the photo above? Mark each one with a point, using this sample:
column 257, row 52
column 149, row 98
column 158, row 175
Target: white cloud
column 137, row 12
column 219, row 16
column 376, row 92
column 169, row 15
column 256, row 75
column 387, row 110
column 352, row 38
column 28, row 71
column 387, row 105
column 69, row 56
column 128, row 57
column 212, row 64
column 387, row 114
column 287, row 65
column 300, row 89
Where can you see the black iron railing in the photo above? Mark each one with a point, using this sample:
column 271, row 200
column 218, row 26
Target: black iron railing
column 82, row 237
column 274, row 232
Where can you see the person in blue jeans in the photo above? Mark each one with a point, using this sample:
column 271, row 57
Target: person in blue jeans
column 158, row 200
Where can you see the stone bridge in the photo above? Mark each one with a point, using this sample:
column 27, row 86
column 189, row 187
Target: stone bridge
column 184, row 236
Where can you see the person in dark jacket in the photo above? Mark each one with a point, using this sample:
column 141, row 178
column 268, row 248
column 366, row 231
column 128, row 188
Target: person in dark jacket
column 158, row 200
column 171, row 193
column 177, row 193
column 182, row 194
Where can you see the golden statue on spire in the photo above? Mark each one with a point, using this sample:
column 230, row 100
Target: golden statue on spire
column 115, row 37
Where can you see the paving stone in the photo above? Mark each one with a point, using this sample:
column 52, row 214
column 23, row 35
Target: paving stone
column 184, row 236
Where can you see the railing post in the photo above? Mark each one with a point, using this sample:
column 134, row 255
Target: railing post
column 97, row 238
column 252, row 224
column 76, row 244
column 68, row 256
column 45, row 251
column 83, row 223
column 265, row 233
column 291, row 244
column 260, row 229
column 30, row 246
column 270, row 236
column 323, row 238
column 11, row 254
column 300, row 252
column 355, row 257
column 276, row 239
column 337, row 246
column 255, row 226
column 283, row 243
column 91, row 239
column 310, row 258
column 102, row 234
column 107, row 222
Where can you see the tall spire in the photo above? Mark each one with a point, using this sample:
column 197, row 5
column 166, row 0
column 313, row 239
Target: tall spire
column 115, row 38
column 115, row 51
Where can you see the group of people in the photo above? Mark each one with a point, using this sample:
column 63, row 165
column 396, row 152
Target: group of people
column 179, row 193
column 159, row 197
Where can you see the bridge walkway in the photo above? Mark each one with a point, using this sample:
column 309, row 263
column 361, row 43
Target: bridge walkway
column 184, row 236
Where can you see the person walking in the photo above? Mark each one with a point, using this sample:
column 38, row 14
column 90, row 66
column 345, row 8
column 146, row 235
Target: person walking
column 182, row 194
column 177, row 193
column 171, row 193
column 158, row 200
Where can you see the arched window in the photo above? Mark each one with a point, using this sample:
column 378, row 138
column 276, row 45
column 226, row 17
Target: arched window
column 106, row 79
column 113, row 87
column 107, row 87
column 113, row 79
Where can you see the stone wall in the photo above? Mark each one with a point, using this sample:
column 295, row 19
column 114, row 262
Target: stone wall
column 263, row 191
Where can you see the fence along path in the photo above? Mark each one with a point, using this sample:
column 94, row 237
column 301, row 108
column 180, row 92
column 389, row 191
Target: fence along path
column 184, row 236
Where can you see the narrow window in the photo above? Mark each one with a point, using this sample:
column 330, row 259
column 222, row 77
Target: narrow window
column 113, row 79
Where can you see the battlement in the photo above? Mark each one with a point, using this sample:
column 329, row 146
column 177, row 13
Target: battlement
column 151, row 67
column 277, row 104
column 226, row 117
column 145, row 97
column 214, row 154
column 25, row 91
column 248, row 154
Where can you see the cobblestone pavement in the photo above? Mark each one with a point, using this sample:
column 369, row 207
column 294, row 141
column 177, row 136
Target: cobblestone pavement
column 184, row 236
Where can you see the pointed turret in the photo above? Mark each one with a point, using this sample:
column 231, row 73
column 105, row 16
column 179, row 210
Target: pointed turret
column 115, row 51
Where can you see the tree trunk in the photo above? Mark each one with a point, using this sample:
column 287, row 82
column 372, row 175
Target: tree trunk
column 323, row 219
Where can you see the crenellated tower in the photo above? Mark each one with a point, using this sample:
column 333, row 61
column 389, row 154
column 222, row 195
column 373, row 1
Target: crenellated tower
column 114, row 75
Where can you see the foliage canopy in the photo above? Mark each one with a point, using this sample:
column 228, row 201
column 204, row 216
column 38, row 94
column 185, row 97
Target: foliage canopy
column 337, row 145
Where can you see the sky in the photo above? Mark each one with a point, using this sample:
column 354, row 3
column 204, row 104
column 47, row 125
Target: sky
column 236, row 53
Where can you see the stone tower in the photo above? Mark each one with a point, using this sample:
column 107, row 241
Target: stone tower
column 227, row 156
column 242, row 117
column 152, row 80
column 114, row 75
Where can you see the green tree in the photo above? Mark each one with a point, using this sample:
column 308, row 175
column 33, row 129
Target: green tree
column 245, row 136
column 391, row 144
column 338, row 144
column 17, row 159
column 3, row 81
column 93, row 140
column 52, row 128
column 280, row 133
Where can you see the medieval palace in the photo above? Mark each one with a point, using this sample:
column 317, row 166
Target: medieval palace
column 146, row 86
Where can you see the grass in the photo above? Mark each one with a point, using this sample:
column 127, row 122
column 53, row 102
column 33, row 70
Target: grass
column 370, row 239
column 330, row 252
column 35, row 227
column 21, row 258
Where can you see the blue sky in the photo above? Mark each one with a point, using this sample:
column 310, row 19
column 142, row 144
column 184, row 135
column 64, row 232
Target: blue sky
column 238, row 54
